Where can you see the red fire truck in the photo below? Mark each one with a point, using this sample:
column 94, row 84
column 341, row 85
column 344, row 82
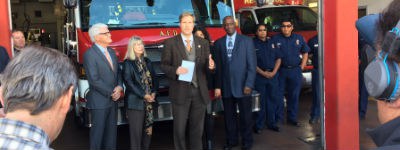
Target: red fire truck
column 153, row 20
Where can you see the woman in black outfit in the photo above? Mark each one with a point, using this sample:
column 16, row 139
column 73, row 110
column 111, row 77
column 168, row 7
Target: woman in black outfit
column 141, row 86
column 209, row 118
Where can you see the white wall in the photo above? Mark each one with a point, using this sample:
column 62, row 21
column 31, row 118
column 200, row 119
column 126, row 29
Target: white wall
column 373, row 6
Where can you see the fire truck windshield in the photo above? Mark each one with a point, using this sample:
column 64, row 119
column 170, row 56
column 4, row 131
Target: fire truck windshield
column 304, row 19
column 120, row 14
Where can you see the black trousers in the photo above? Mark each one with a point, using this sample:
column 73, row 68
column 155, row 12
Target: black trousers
column 103, row 133
column 139, row 138
column 245, row 120
column 191, row 112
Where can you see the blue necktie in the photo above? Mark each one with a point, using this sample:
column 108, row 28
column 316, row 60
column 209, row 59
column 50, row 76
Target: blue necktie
column 229, row 49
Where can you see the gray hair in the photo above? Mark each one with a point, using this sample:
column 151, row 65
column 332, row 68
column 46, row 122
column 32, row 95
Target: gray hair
column 95, row 30
column 130, row 54
column 184, row 14
column 35, row 79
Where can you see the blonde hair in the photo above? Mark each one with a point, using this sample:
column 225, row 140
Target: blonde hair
column 130, row 54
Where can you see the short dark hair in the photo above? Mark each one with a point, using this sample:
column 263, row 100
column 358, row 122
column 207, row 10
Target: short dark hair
column 388, row 20
column 35, row 79
column 287, row 19
column 226, row 17
column 259, row 25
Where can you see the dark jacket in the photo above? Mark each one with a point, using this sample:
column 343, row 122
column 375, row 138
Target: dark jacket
column 171, row 59
column 240, row 72
column 102, row 79
column 4, row 59
column 134, row 93
column 387, row 136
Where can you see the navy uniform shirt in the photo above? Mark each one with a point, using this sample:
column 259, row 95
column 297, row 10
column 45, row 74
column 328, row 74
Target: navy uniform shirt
column 266, row 54
column 313, row 44
column 290, row 47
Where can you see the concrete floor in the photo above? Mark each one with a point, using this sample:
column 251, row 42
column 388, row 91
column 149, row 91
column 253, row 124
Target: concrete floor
column 290, row 138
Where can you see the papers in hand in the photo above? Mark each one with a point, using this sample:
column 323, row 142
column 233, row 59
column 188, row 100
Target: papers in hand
column 189, row 65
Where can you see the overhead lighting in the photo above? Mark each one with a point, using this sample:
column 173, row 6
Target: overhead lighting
column 313, row 4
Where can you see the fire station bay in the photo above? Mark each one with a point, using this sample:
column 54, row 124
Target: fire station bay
column 64, row 25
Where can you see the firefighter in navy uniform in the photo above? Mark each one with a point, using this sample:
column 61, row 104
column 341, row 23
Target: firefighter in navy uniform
column 290, row 73
column 315, row 107
column 267, row 84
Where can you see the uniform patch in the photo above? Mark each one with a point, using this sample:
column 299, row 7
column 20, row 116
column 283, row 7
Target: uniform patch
column 272, row 45
column 298, row 42
column 315, row 45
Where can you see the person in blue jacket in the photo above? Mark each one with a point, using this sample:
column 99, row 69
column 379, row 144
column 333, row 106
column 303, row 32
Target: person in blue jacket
column 316, row 101
column 291, row 45
column 4, row 58
column 267, row 84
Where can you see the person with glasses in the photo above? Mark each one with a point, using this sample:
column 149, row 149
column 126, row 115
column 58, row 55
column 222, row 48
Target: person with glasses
column 105, row 88
column 267, row 84
column 291, row 45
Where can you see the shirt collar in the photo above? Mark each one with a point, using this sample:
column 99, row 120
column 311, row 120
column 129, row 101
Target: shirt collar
column 102, row 49
column 14, row 128
column 233, row 36
column 184, row 39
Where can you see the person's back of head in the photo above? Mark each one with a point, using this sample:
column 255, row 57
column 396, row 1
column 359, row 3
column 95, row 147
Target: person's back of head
column 37, row 84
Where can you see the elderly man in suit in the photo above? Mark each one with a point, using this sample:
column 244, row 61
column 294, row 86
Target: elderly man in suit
column 189, row 99
column 236, row 73
column 105, row 88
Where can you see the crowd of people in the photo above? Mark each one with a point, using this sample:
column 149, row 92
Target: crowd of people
column 37, row 86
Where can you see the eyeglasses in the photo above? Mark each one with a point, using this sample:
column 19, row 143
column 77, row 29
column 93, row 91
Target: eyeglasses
column 262, row 30
column 105, row 33
column 286, row 26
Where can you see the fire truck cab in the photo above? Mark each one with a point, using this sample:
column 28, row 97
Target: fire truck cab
column 153, row 21
column 251, row 13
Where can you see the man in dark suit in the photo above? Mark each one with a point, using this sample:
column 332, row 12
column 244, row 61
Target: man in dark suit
column 105, row 87
column 236, row 72
column 189, row 99
column 4, row 58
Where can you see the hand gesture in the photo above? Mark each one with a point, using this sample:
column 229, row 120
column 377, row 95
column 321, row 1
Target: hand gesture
column 181, row 70
column 148, row 98
column 211, row 64
column 217, row 93
column 116, row 93
column 247, row 91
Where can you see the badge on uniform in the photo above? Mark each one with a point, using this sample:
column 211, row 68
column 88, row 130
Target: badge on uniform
column 272, row 45
column 278, row 45
column 315, row 45
column 297, row 42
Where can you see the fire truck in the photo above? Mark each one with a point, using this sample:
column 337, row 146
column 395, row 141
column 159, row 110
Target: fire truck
column 153, row 20
column 250, row 13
